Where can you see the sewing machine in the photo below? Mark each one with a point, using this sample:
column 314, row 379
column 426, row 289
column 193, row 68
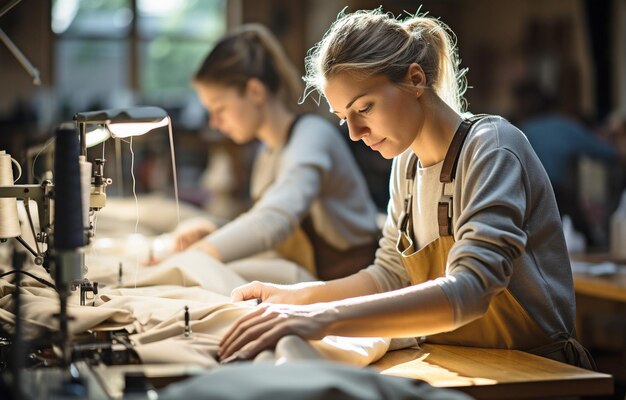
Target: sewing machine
column 65, row 211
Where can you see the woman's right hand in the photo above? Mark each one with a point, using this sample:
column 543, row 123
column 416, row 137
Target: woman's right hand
column 191, row 232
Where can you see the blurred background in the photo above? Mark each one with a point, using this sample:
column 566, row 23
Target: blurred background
column 555, row 68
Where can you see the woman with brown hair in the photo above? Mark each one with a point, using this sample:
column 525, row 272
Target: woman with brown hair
column 312, row 205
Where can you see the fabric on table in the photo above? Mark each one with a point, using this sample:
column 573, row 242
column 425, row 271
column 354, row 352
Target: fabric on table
column 153, row 313
column 270, row 266
column 157, row 214
column 190, row 268
column 105, row 256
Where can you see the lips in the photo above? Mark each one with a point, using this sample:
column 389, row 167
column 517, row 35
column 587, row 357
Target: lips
column 376, row 145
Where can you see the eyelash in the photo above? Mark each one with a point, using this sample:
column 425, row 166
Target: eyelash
column 365, row 110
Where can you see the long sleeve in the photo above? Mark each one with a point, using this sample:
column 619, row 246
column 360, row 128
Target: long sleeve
column 387, row 270
column 273, row 218
column 314, row 175
column 508, row 233
column 506, row 226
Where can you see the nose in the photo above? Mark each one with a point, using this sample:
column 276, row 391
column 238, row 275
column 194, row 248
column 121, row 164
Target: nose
column 357, row 131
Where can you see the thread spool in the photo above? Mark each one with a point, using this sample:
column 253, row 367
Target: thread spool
column 85, row 183
column 68, row 214
column 9, row 220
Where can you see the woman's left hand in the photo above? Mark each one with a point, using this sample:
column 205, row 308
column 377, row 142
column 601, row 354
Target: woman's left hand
column 264, row 326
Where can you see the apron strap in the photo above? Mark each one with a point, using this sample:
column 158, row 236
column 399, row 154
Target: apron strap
column 569, row 351
column 448, row 171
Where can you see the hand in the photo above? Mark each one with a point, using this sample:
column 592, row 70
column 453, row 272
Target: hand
column 267, row 292
column 265, row 325
column 273, row 293
column 191, row 232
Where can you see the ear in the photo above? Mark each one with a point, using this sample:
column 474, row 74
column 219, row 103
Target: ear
column 256, row 90
column 416, row 78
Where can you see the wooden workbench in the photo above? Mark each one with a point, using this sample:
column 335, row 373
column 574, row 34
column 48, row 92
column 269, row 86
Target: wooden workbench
column 494, row 373
column 608, row 287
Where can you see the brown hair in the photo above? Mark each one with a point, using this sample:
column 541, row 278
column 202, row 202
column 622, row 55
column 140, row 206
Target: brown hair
column 371, row 42
column 252, row 51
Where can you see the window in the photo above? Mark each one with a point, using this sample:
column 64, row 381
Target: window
column 115, row 53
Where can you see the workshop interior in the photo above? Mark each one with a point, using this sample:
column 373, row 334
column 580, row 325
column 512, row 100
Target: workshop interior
column 106, row 150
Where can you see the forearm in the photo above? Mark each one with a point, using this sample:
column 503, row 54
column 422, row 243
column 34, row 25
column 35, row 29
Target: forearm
column 414, row 311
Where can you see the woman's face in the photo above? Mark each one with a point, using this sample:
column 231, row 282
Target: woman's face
column 231, row 112
column 378, row 112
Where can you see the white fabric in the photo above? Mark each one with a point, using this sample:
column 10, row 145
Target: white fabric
column 157, row 214
column 269, row 266
column 151, row 308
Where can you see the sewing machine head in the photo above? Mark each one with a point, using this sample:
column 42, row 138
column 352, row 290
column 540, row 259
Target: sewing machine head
column 79, row 188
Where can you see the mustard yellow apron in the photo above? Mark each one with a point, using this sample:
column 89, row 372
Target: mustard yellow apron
column 324, row 261
column 298, row 249
column 506, row 324
column 308, row 249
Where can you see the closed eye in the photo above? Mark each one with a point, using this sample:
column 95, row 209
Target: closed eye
column 365, row 110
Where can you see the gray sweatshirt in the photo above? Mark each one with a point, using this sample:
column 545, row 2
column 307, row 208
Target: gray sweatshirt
column 313, row 174
column 506, row 225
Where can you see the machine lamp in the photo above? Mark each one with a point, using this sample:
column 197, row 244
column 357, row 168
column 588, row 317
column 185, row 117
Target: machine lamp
column 118, row 123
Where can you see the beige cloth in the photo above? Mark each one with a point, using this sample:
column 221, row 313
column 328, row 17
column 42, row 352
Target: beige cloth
column 133, row 251
column 157, row 214
column 153, row 312
column 270, row 266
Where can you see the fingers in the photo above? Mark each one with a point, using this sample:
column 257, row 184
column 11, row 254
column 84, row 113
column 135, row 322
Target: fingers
column 246, row 332
column 230, row 335
column 263, row 336
column 187, row 236
column 248, row 291
column 181, row 243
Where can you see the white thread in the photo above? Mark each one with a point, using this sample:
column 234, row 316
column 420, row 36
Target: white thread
column 171, row 136
column 132, row 174
column 45, row 146
column 19, row 169
column 169, row 125
column 95, row 222
column 9, row 220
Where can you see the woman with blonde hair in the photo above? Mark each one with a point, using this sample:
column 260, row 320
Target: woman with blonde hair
column 312, row 205
column 473, row 252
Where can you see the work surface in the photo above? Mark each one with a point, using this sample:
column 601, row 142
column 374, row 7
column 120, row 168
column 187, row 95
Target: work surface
column 610, row 286
column 493, row 373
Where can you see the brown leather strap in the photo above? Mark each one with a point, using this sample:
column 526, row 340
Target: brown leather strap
column 333, row 263
column 452, row 155
column 448, row 170
column 444, row 218
column 412, row 167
